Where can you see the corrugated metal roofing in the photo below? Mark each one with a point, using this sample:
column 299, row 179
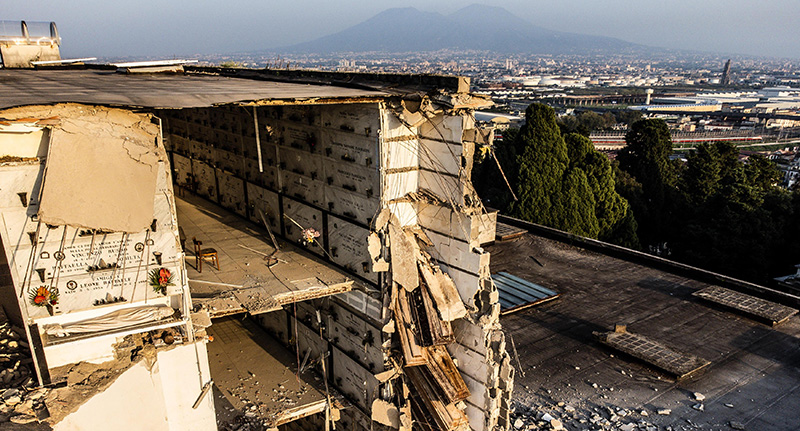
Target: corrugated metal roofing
column 517, row 293
column 102, row 87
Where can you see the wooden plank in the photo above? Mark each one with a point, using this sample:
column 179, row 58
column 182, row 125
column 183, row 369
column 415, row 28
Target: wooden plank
column 446, row 415
column 447, row 376
column 521, row 307
column 412, row 351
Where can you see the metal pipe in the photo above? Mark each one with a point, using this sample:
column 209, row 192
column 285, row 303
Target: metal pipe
column 258, row 140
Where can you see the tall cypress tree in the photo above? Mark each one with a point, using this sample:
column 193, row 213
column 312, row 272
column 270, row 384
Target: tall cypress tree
column 566, row 184
column 541, row 168
column 646, row 159
column 615, row 223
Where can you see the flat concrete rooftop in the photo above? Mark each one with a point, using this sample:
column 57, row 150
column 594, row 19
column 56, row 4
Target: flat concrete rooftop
column 754, row 375
column 190, row 90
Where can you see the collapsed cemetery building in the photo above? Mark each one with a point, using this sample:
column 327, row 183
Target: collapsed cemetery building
column 145, row 214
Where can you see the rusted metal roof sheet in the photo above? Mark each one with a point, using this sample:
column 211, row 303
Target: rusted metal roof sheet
column 517, row 294
column 102, row 87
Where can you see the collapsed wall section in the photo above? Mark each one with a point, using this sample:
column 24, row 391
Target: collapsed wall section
column 74, row 257
column 365, row 175
column 292, row 168
column 440, row 225
column 90, row 235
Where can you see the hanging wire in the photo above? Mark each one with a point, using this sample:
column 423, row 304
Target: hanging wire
column 30, row 264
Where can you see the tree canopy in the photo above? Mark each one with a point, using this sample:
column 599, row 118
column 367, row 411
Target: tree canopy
column 733, row 217
column 646, row 158
column 716, row 211
column 561, row 181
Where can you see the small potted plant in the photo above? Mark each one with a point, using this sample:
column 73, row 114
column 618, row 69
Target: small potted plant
column 160, row 278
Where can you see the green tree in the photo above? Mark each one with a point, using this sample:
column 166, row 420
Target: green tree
column 487, row 178
column 702, row 176
column 614, row 218
column 564, row 183
column 733, row 219
column 762, row 172
column 646, row 159
column 578, row 205
column 542, row 165
column 586, row 122
column 627, row 116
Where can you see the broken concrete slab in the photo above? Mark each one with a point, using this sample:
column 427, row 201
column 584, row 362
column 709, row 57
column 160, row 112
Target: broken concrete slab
column 749, row 305
column 443, row 291
column 670, row 360
column 404, row 252
column 385, row 413
column 117, row 164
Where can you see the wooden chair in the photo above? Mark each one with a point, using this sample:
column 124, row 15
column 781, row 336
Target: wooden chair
column 201, row 253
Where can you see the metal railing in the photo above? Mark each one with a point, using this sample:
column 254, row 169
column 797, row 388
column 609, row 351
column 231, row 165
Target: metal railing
column 29, row 33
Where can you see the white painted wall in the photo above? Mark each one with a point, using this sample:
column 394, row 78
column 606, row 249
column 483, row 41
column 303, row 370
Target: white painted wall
column 157, row 400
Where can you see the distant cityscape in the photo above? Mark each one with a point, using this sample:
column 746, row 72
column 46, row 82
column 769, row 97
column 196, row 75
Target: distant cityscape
column 566, row 71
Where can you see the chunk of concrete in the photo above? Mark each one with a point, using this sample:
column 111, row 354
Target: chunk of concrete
column 404, row 253
column 385, row 413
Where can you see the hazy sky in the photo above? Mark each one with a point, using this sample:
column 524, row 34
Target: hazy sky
column 170, row 28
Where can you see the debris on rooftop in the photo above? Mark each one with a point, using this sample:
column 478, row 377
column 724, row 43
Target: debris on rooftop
column 677, row 363
column 21, row 401
column 749, row 305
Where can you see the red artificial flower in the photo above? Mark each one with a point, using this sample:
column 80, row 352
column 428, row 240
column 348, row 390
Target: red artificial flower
column 163, row 276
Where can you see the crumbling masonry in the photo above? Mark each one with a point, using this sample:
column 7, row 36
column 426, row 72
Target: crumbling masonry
column 387, row 183
column 382, row 173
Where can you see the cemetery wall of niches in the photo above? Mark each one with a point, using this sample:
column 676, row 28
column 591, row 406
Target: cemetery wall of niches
column 291, row 167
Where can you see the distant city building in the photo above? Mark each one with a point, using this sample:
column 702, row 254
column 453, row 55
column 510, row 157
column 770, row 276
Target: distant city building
column 726, row 73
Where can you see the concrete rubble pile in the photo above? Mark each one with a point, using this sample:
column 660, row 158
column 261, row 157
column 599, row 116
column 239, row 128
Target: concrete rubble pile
column 450, row 351
column 22, row 403
column 546, row 415
column 424, row 303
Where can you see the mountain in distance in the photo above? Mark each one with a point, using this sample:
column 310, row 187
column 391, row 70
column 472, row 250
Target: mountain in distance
column 476, row 27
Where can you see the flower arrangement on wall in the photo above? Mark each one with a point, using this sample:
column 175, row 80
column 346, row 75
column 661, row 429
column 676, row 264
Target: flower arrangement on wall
column 160, row 278
column 43, row 296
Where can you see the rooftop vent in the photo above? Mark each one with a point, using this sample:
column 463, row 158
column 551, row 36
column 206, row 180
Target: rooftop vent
column 23, row 42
